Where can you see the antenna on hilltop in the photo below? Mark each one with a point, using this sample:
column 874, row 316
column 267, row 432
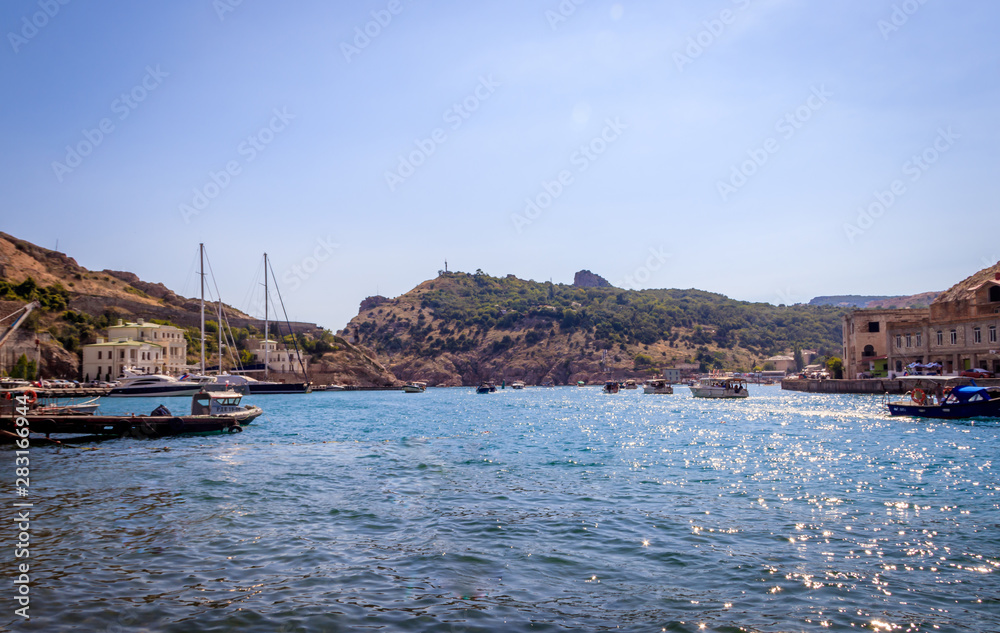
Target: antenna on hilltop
column 446, row 265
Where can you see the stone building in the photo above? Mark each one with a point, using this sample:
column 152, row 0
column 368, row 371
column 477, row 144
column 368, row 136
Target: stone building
column 147, row 347
column 958, row 331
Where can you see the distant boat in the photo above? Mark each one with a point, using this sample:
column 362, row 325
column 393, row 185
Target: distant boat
column 415, row 387
column 657, row 386
column 611, row 386
column 485, row 388
column 517, row 384
column 721, row 388
column 631, row 384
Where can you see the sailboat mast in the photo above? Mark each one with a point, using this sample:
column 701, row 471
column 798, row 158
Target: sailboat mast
column 220, row 337
column 201, row 256
column 265, row 318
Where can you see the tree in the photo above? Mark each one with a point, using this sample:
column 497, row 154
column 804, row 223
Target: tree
column 799, row 363
column 836, row 367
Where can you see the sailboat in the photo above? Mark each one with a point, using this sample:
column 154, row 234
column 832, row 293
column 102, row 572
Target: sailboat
column 259, row 387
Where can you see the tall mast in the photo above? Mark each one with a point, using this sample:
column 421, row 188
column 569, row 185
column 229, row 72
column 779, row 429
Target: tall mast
column 201, row 256
column 220, row 337
column 265, row 318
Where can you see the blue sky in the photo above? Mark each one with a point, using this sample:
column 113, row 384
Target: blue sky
column 728, row 145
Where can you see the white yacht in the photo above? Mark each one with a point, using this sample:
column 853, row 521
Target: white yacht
column 134, row 384
column 720, row 388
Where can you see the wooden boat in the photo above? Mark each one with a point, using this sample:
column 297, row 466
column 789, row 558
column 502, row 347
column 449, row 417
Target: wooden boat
column 611, row 386
column 215, row 412
column 721, row 388
column 962, row 402
column 657, row 386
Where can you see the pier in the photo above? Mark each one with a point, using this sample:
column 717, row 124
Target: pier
column 875, row 385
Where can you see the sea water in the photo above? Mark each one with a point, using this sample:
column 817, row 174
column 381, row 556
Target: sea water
column 560, row 509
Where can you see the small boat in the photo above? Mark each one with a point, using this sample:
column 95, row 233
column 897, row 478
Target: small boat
column 415, row 387
column 955, row 404
column 218, row 382
column 485, row 388
column 611, row 386
column 580, row 383
column 657, row 386
column 134, row 384
column 631, row 384
column 211, row 412
column 517, row 384
column 721, row 388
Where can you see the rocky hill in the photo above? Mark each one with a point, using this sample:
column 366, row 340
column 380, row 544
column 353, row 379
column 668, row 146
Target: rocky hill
column 77, row 304
column 464, row 328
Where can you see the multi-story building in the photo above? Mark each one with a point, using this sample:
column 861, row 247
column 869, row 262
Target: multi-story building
column 958, row 331
column 866, row 339
column 279, row 358
column 147, row 347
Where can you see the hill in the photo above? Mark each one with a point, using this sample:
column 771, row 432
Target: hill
column 77, row 305
column 462, row 328
column 877, row 301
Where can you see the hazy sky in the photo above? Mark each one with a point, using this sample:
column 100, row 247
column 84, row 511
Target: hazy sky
column 727, row 145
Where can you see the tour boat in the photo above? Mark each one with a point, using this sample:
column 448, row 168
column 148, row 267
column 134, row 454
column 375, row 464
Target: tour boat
column 957, row 403
column 611, row 386
column 720, row 388
column 657, row 386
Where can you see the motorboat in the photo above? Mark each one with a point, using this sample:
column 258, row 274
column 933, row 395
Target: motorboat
column 631, row 384
column 517, row 384
column 211, row 412
column 218, row 382
column 87, row 407
column 415, row 387
column 721, row 388
column 485, row 388
column 134, row 384
column 657, row 386
column 964, row 401
column 611, row 386
column 252, row 386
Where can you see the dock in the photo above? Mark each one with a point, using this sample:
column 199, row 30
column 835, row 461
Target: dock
column 874, row 385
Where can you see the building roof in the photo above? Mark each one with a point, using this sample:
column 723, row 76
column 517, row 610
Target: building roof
column 777, row 358
column 966, row 289
column 129, row 343
column 132, row 324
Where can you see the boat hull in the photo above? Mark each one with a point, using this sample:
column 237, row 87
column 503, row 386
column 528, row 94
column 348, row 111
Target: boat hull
column 155, row 391
column 954, row 411
column 140, row 426
column 658, row 390
column 711, row 392
column 265, row 388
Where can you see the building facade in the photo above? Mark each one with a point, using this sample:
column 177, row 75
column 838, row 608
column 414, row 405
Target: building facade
column 147, row 347
column 958, row 332
column 279, row 358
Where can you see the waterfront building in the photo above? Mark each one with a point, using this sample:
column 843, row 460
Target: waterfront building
column 958, row 332
column 148, row 347
column 279, row 357
column 781, row 363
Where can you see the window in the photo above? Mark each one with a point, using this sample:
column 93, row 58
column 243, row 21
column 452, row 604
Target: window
column 121, row 354
column 954, row 337
column 993, row 334
column 909, row 341
column 98, row 358
column 899, row 341
column 995, row 293
column 920, row 338
column 940, row 337
column 873, row 326
column 977, row 335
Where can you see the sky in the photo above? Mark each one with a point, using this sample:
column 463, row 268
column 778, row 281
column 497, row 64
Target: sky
column 769, row 150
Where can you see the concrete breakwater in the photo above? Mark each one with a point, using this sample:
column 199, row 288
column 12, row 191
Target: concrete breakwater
column 876, row 385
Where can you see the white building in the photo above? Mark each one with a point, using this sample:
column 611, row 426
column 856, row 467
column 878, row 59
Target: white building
column 105, row 360
column 279, row 359
column 146, row 347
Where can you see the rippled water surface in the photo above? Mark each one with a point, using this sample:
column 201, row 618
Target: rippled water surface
column 543, row 510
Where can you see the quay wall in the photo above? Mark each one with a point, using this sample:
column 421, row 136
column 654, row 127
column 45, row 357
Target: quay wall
column 874, row 385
